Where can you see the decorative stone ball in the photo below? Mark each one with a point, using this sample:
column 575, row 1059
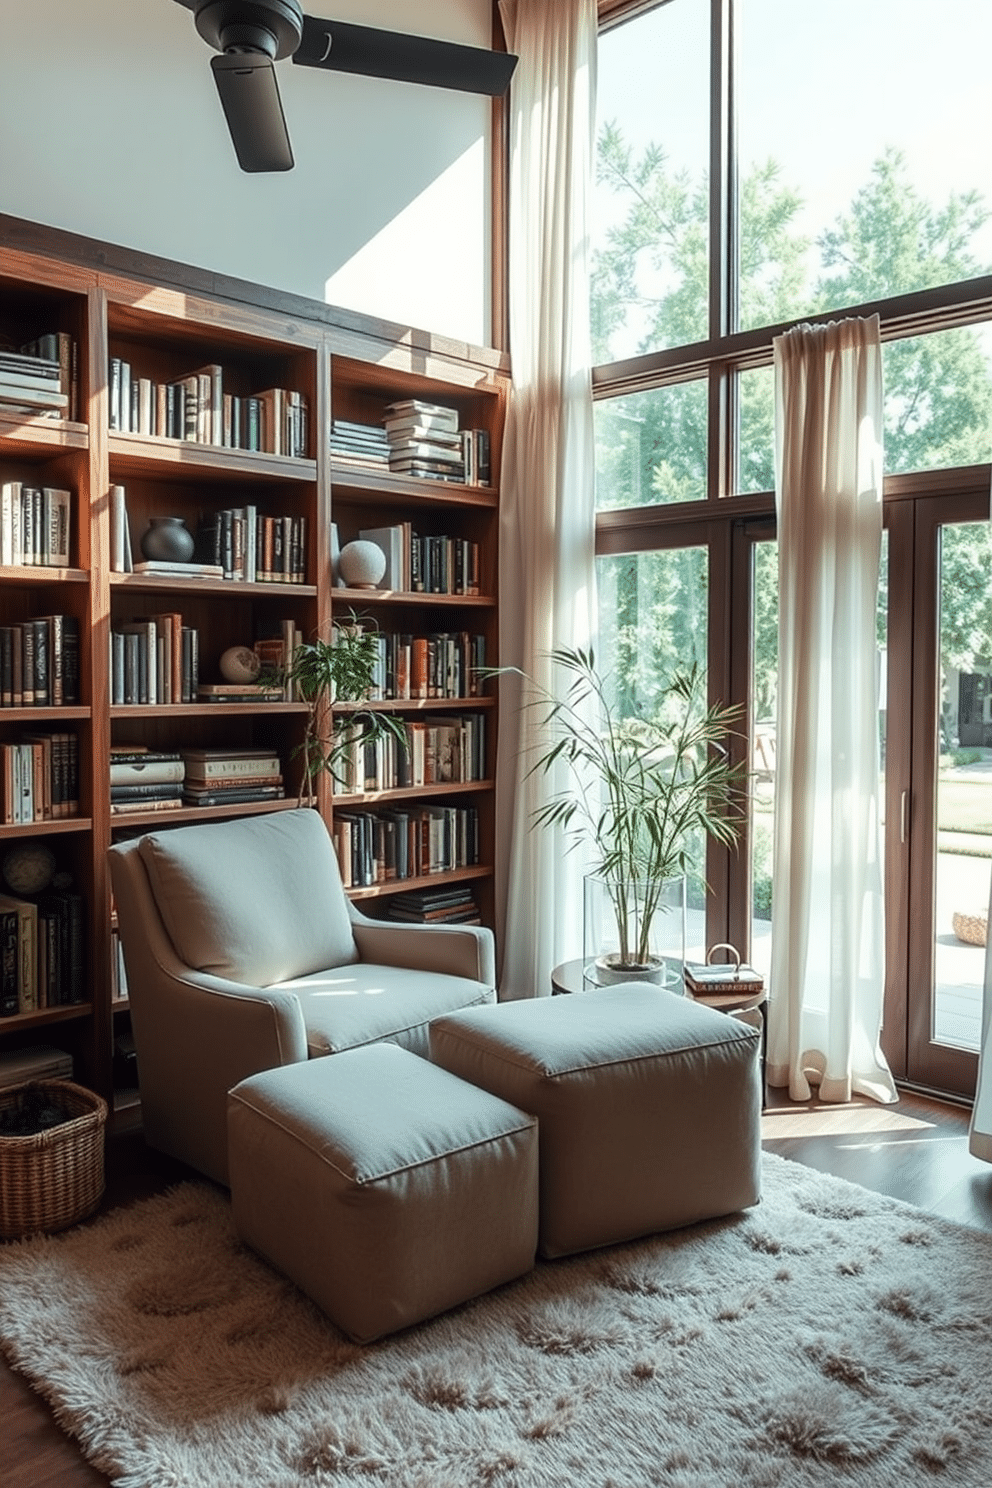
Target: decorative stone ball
column 29, row 870
column 168, row 540
column 240, row 664
column 362, row 564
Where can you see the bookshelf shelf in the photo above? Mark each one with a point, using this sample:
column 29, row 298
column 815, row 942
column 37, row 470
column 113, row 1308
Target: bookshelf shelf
column 76, row 1013
column 31, row 437
column 323, row 365
column 148, row 455
column 423, row 881
column 38, row 573
column 227, row 588
column 203, row 711
column 186, row 814
column 45, row 829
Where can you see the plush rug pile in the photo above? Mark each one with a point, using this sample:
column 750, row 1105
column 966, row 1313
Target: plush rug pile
column 827, row 1336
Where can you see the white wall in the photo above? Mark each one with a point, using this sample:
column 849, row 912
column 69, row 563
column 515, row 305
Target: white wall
column 110, row 126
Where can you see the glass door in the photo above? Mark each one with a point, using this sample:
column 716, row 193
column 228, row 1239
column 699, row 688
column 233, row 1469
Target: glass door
column 939, row 787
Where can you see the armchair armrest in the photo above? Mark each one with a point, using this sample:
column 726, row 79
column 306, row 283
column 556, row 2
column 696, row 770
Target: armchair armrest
column 453, row 950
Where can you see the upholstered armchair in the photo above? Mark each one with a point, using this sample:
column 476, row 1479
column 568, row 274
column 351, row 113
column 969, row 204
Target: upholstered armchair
column 243, row 952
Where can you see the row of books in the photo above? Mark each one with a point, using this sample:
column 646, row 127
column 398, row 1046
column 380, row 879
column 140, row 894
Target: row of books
column 452, row 905
column 42, row 377
column 154, row 660
column 425, row 564
column 42, row 951
column 437, row 751
column 442, row 664
column 195, row 407
column 415, row 438
column 34, row 525
column 142, row 779
column 253, row 548
column 376, row 847
column 39, row 778
column 39, row 662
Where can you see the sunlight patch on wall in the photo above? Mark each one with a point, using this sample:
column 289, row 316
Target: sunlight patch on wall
column 429, row 265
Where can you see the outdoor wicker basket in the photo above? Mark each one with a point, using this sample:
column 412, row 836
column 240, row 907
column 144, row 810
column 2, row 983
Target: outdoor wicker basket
column 54, row 1178
column 971, row 928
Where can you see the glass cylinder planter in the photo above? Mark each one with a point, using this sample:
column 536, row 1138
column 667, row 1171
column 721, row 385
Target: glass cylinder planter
column 633, row 931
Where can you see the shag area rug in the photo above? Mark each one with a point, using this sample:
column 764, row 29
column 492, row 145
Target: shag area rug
column 827, row 1336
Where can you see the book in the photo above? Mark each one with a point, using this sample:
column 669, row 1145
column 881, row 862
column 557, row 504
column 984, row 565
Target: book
column 433, row 414
column 55, row 518
column 145, row 771
column 121, row 556
column 390, row 540
column 222, row 765
column 237, row 796
column 238, row 692
column 126, row 808
column 185, row 570
column 27, row 941
column 146, row 790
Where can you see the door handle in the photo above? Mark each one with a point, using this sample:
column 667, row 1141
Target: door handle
column 904, row 816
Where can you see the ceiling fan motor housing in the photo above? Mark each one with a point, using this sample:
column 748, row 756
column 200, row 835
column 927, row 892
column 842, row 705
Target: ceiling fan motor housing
column 272, row 27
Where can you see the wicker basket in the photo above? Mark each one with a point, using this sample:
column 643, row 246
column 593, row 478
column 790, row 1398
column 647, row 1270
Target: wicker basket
column 55, row 1178
column 971, row 928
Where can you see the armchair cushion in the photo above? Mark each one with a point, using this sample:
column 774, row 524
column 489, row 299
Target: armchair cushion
column 349, row 1006
column 276, row 911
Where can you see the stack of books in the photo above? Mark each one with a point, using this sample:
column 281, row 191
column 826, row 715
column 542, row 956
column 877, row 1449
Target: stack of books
column 32, row 384
column 424, row 440
column 196, row 407
column 34, row 525
column 451, row 906
column 359, row 444
column 39, row 779
column 143, row 779
column 39, row 662
column 42, row 951
column 222, row 777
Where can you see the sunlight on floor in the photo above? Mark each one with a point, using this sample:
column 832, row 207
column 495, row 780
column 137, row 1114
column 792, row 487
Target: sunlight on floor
column 810, row 1119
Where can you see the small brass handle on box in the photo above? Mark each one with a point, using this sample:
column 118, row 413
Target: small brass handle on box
column 725, row 946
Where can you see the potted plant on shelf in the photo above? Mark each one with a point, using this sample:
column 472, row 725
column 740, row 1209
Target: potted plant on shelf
column 341, row 671
column 642, row 790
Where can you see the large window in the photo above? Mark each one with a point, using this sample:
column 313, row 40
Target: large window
column 761, row 163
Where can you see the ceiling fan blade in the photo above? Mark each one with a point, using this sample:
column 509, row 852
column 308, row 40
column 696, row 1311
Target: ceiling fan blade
column 249, row 95
column 341, row 47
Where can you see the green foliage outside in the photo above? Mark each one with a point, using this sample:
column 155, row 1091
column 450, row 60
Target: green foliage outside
column 652, row 446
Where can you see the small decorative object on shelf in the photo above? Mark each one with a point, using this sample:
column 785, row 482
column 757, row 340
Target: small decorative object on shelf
column 168, row 539
column 240, row 664
column 30, row 869
column 362, row 564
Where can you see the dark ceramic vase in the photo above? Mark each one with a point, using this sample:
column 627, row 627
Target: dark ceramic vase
column 167, row 540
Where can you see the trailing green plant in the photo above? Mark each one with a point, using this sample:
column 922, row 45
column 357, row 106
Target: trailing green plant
column 339, row 672
column 641, row 787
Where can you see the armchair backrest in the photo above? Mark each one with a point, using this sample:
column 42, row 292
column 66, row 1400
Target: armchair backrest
column 257, row 900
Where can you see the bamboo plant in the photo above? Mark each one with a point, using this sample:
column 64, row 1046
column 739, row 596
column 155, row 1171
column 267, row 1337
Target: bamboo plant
column 328, row 673
column 641, row 788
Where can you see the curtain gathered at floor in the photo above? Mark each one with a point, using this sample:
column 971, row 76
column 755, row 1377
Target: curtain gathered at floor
column 547, row 501
column 827, row 968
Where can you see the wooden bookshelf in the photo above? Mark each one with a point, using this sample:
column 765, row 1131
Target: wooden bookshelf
column 343, row 366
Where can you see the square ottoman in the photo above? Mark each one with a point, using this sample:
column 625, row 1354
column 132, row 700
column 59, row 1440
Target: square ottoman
column 648, row 1106
column 385, row 1187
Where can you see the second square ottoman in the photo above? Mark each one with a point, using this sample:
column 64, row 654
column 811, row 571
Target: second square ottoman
column 648, row 1106
column 386, row 1188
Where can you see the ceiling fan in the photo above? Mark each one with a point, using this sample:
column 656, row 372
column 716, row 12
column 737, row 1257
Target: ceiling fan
column 250, row 35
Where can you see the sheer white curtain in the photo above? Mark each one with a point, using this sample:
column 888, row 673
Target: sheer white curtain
column 980, row 1136
column 827, row 966
column 547, row 568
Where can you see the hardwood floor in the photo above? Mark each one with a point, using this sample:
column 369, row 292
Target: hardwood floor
column 916, row 1150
